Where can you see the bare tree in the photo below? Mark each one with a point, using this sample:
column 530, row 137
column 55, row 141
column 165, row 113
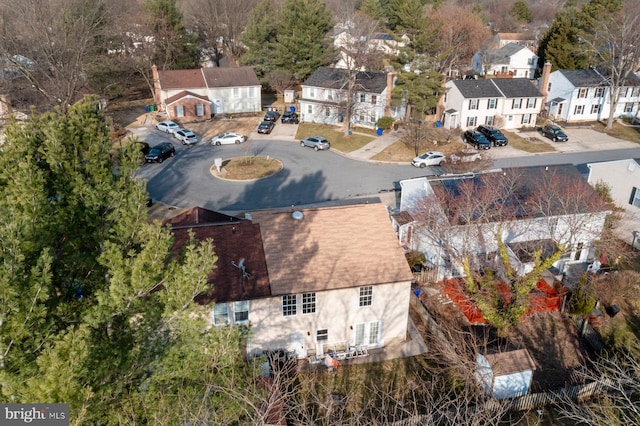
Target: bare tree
column 461, row 34
column 614, row 46
column 616, row 379
column 50, row 44
column 219, row 24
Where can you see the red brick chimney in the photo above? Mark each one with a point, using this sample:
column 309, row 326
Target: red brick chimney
column 544, row 84
column 156, row 88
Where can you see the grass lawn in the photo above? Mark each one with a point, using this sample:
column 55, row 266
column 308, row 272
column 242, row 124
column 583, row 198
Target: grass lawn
column 335, row 135
column 627, row 133
column 533, row 144
column 248, row 168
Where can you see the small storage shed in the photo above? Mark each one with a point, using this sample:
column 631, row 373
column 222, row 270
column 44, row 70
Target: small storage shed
column 505, row 374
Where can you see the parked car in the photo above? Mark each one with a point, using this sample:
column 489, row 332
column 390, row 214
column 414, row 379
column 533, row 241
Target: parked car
column 428, row 159
column 554, row 133
column 316, row 142
column 186, row 137
column 477, row 139
column 495, row 136
column 266, row 127
column 228, row 138
column 167, row 126
column 290, row 117
column 271, row 116
column 160, row 152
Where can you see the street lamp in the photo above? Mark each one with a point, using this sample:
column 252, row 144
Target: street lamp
column 635, row 235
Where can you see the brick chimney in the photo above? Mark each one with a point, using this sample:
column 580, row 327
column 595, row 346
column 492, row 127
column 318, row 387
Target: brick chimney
column 544, row 84
column 156, row 88
column 390, row 80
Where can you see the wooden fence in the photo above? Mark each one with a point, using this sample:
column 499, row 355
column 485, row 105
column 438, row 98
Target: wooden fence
column 525, row 402
column 426, row 276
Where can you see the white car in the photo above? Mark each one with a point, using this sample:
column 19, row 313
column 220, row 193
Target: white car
column 187, row 137
column 228, row 138
column 428, row 159
column 167, row 126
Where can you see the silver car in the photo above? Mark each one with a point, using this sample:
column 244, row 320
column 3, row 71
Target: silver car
column 167, row 126
column 186, row 137
column 428, row 159
column 228, row 138
column 316, row 142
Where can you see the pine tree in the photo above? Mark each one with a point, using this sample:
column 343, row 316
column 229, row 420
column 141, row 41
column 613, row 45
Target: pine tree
column 259, row 37
column 175, row 49
column 301, row 46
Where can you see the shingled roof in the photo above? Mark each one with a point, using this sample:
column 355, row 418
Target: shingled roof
column 202, row 78
column 331, row 248
column 234, row 239
column 584, row 78
column 501, row 55
column 497, row 88
column 336, row 78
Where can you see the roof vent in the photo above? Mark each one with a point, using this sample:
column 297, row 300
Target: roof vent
column 297, row 215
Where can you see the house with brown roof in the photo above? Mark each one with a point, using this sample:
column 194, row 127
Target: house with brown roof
column 197, row 94
column 310, row 280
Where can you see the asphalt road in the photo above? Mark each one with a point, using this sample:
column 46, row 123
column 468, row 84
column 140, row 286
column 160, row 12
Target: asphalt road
column 308, row 177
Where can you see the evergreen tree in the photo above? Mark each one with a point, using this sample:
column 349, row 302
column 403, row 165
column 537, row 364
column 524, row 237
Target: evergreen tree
column 521, row 11
column 175, row 48
column 561, row 45
column 301, row 46
column 259, row 37
column 420, row 90
column 97, row 309
column 373, row 8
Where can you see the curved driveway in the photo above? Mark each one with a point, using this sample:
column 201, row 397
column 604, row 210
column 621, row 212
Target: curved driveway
column 307, row 177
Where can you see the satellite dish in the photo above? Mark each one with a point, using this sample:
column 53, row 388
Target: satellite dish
column 297, row 215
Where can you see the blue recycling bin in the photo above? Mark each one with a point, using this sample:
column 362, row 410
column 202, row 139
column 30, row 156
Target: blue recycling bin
column 147, row 108
column 438, row 124
column 379, row 131
column 292, row 109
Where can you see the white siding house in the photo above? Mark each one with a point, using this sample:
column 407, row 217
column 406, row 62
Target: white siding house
column 508, row 103
column 300, row 280
column 623, row 179
column 229, row 90
column 583, row 95
column 324, row 95
column 510, row 60
column 425, row 223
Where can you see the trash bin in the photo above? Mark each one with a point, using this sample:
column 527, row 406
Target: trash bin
column 147, row 108
column 395, row 126
column 152, row 108
column 438, row 124
column 379, row 131
column 292, row 109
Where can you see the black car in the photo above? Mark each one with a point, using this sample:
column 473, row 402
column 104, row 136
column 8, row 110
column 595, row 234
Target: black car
column 554, row 133
column 495, row 136
column 271, row 116
column 290, row 117
column 266, row 127
column 160, row 152
column 477, row 139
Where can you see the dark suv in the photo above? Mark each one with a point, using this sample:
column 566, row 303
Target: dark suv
column 271, row 116
column 495, row 136
column 477, row 139
column 160, row 152
column 290, row 117
column 554, row 133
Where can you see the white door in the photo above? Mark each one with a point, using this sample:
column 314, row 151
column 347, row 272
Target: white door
column 296, row 344
column 217, row 106
column 367, row 334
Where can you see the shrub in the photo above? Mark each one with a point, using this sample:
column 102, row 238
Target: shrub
column 385, row 123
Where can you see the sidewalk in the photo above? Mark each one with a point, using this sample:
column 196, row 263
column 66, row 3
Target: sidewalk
column 580, row 140
column 376, row 146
